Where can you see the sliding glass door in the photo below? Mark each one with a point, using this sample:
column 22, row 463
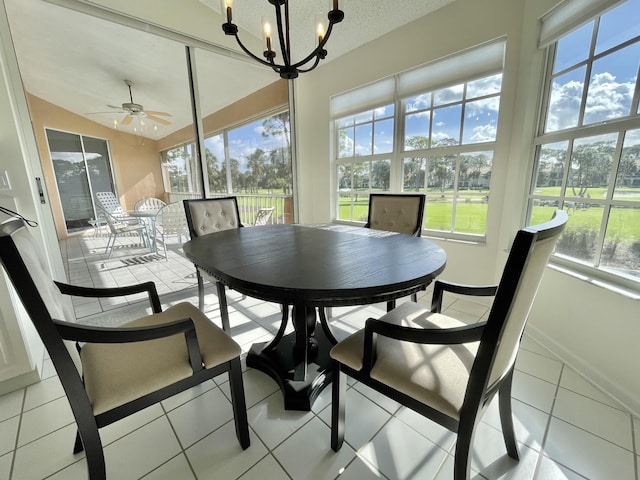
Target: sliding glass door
column 82, row 167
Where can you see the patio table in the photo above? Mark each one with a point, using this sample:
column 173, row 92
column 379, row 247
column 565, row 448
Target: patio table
column 311, row 268
column 149, row 219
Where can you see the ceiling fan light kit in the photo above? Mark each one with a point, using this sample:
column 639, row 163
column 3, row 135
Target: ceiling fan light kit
column 286, row 69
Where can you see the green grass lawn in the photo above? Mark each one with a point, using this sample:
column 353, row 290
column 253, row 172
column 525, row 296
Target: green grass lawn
column 624, row 223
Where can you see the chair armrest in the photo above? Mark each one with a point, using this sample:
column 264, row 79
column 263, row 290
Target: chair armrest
column 440, row 286
column 149, row 287
column 92, row 334
column 439, row 336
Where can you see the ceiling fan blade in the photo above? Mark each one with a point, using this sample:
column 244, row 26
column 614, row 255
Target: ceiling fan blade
column 157, row 119
column 165, row 114
column 126, row 120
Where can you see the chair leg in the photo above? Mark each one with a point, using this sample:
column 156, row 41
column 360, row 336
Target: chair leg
column 236, row 386
column 88, row 439
column 77, row 446
column 463, row 451
column 224, row 309
column 506, row 417
column 338, row 394
column 200, row 290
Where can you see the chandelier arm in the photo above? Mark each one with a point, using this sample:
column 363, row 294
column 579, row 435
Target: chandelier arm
column 315, row 52
column 248, row 52
column 303, row 70
column 284, row 43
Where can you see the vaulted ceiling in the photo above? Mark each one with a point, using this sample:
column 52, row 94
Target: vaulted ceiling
column 80, row 62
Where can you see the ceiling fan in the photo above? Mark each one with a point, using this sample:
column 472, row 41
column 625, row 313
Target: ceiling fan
column 133, row 110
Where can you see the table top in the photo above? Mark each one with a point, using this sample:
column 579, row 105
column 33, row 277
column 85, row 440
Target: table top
column 143, row 213
column 307, row 265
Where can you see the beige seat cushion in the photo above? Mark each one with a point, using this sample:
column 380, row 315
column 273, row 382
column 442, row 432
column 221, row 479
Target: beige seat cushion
column 115, row 374
column 435, row 375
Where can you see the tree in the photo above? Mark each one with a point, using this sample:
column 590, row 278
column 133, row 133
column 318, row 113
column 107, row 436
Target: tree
column 590, row 166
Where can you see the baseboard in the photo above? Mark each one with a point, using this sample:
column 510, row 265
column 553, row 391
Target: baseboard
column 19, row 381
column 586, row 370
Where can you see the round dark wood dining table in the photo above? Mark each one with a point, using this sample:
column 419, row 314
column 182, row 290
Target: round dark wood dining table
column 310, row 267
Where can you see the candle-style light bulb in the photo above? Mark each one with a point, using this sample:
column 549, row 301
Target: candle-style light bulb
column 226, row 6
column 320, row 31
column 266, row 29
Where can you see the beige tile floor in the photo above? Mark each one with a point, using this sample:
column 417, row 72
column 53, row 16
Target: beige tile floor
column 567, row 428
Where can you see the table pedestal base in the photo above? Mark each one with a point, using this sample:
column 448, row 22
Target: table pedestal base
column 280, row 364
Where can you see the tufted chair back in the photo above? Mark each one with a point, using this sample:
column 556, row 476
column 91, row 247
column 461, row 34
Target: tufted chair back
column 396, row 213
column 211, row 215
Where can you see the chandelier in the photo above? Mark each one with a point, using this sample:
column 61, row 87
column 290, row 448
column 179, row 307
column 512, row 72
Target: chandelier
column 286, row 69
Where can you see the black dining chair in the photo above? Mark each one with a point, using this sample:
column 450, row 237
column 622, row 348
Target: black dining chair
column 110, row 373
column 400, row 213
column 206, row 216
column 442, row 368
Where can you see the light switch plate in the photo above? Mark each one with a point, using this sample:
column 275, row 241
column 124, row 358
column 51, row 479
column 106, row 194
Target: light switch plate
column 4, row 180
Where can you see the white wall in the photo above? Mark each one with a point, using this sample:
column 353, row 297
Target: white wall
column 18, row 156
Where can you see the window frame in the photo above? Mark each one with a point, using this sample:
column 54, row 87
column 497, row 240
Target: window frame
column 400, row 152
column 224, row 133
column 590, row 269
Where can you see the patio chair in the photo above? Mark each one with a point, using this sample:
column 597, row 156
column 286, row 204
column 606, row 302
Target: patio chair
column 442, row 368
column 149, row 204
column 111, row 373
column 170, row 221
column 207, row 216
column 120, row 225
column 118, row 221
column 263, row 216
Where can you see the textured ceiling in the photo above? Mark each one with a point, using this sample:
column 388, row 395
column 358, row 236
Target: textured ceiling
column 80, row 62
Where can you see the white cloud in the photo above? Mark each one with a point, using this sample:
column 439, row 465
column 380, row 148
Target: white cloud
column 607, row 99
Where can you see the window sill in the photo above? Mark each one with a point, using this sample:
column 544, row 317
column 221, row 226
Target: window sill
column 598, row 282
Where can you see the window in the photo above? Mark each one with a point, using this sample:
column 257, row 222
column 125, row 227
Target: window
column 433, row 130
column 258, row 162
column 587, row 156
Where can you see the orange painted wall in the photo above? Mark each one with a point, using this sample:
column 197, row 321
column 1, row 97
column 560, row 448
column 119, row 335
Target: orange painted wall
column 258, row 103
column 136, row 167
